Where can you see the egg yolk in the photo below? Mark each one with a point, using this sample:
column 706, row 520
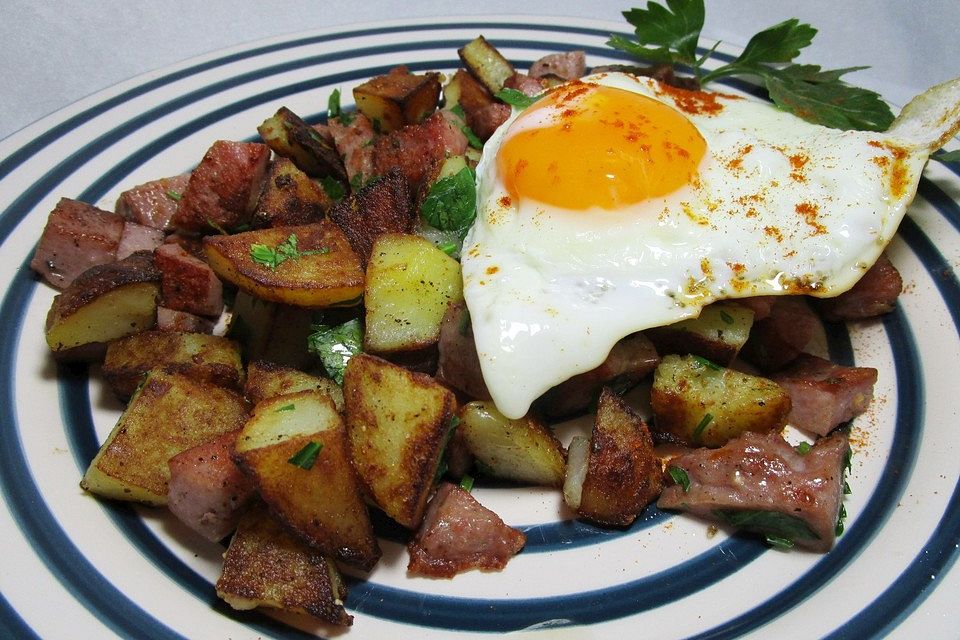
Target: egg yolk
column 586, row 146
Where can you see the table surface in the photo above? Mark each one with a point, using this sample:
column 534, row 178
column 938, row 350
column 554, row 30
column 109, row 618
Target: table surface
column 55, row 53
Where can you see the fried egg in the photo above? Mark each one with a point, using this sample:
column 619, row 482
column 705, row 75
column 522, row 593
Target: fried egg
column 615, row 204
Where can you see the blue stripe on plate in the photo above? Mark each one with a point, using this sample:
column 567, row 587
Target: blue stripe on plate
column 12, row 625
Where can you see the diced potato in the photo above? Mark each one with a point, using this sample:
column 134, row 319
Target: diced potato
column 486, row 63
column 203, row 357
column 290, row 197
column 409, row 285
column 104, row 303
column 268, row 380
column 170, row 413
column 521, row 450
column 398, row 99
column 270, row 331
column 623, row 475
column 699, row 403
column 717, row 334
column 291, row 137
column 265, row 566
column 322, row 270
column 321, row 504
column 398, row 422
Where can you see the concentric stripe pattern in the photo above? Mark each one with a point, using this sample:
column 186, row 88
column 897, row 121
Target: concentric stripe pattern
column 247, row 78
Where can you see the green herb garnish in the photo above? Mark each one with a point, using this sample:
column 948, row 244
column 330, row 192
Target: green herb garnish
column 334, row 110
column 726, row 317
column 287, row 407
column 680, row 477
column 669, row 35
column 803, row 448
column 449, row 248
column 709, row 364
column 333, row 188
column 781, row 527
column 516, row 98
column 286, row 250
column 466, row 483
column 451, row 203
column 176, row 196
column 472, row 138
column 306, row 456
column 841, row 516
column 335, row 345
column 703, row 425
column 779, row 543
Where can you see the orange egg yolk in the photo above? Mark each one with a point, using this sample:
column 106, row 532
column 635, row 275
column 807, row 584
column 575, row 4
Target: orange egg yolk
column 586, row 146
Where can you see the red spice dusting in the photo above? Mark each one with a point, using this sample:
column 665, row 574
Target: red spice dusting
column 797, row 162
column 774, row 233
column 809, row 213
column 505, row 201
column 695, row 102
column 898, row 176
column 881, row 161
column 737, row 161
column 875, row 143
column 492, row 270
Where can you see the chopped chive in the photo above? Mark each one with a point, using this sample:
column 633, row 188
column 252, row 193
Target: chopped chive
column 803, row 448
column 680, row 477
column 287, row 407
column 779, row 543
column 466, row 483
column 726, row 317
column 703, row 425
column 306, row 456
column 707, row 363
column 448, row 247
column 176, row 196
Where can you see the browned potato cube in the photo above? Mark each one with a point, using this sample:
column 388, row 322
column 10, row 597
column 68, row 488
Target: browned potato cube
column 310, row 266
column 398, row 422
column 265, row 566
column 104, row 303
column 169, row 414
column 295, row 449
column 203, row 357
column 291, row 137
column 699, row 403
column 268, row 380
column 398, row 98
column 486, row 63
column 290, row 197
column 717, row 333
column 621, row 474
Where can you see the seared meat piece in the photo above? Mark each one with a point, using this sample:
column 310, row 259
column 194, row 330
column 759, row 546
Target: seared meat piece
column 189, row 243
column 383, row 206
column 188, row 283
column 760, row 305
column 459, row 365
column 779, row 338
column 629, row 361
column 77, row 237
column 824, row 394
column 224, row 187
column 354, row 143
column 525, row 84
column 875, row 294
column 458, row 534
column 414, row 149
column 207, row 491
column 761, row 483
column 138, row 237
column 153, row 203
column 564, row 66
column 174, row 320
column 483, row 112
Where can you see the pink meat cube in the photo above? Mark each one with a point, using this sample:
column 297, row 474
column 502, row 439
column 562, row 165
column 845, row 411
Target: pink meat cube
column 153, row 203
column 188, row 283
column 137, row 237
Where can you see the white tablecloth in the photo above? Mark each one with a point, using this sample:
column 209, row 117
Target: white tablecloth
column 55, row 52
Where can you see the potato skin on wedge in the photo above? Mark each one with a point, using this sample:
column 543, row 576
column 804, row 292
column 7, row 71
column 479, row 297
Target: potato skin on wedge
column 398, row 422
column 326, row 273
column 269, row 380
column 265, row 566
column 322, row 505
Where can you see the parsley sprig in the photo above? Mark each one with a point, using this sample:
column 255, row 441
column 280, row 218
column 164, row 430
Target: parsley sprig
column 273, row 257
column 669, row 35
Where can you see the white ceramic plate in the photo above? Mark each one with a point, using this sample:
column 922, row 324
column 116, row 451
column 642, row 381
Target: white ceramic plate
column 74, row 566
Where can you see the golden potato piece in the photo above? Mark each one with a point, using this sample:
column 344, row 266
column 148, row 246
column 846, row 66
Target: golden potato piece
column 268, row 380
column 699, row 403
column 290, row 197
column 295, row 449
column 170, row 413
column 289, row 136
column 717, row 333
column 310, row 266
column 521, row 450
column 397, row 99
column 398, row 422
column 409, row 285
column 486, row 63
column 265, row 566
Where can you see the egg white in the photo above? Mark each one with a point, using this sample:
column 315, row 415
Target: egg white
column 550, row 291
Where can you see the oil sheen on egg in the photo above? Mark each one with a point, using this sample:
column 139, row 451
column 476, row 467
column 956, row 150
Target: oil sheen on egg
column 616, row 204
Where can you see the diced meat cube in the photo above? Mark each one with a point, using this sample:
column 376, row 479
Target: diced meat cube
column 824, row 395
column 780, row 337
column 354, row 141
column 565, row 66
column 188, row 284
column 760, row 305
column 458, row 534
column 416, row 148
column 137, row 237
column 760, row 483
column 173, row 320
column 873, row 295
column 224, row 187
column 525, row 84
column 77, row 236
column 153, row 203
column 458, row 364
column 189, row 243
column 483, row 112
column 207, row 491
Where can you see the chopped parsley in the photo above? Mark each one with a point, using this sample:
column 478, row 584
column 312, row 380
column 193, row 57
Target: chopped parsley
column 515, row 98
column 466, row 483
column 273, row 257
column 176, row 196
column 472, row 138
column 335, row 345
column 803, row 448
column 334, row 110
column 287, row 407
column 333, row 188
column 307, row 456
column 680, row 477
column 451, row 203
column 780, row 529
